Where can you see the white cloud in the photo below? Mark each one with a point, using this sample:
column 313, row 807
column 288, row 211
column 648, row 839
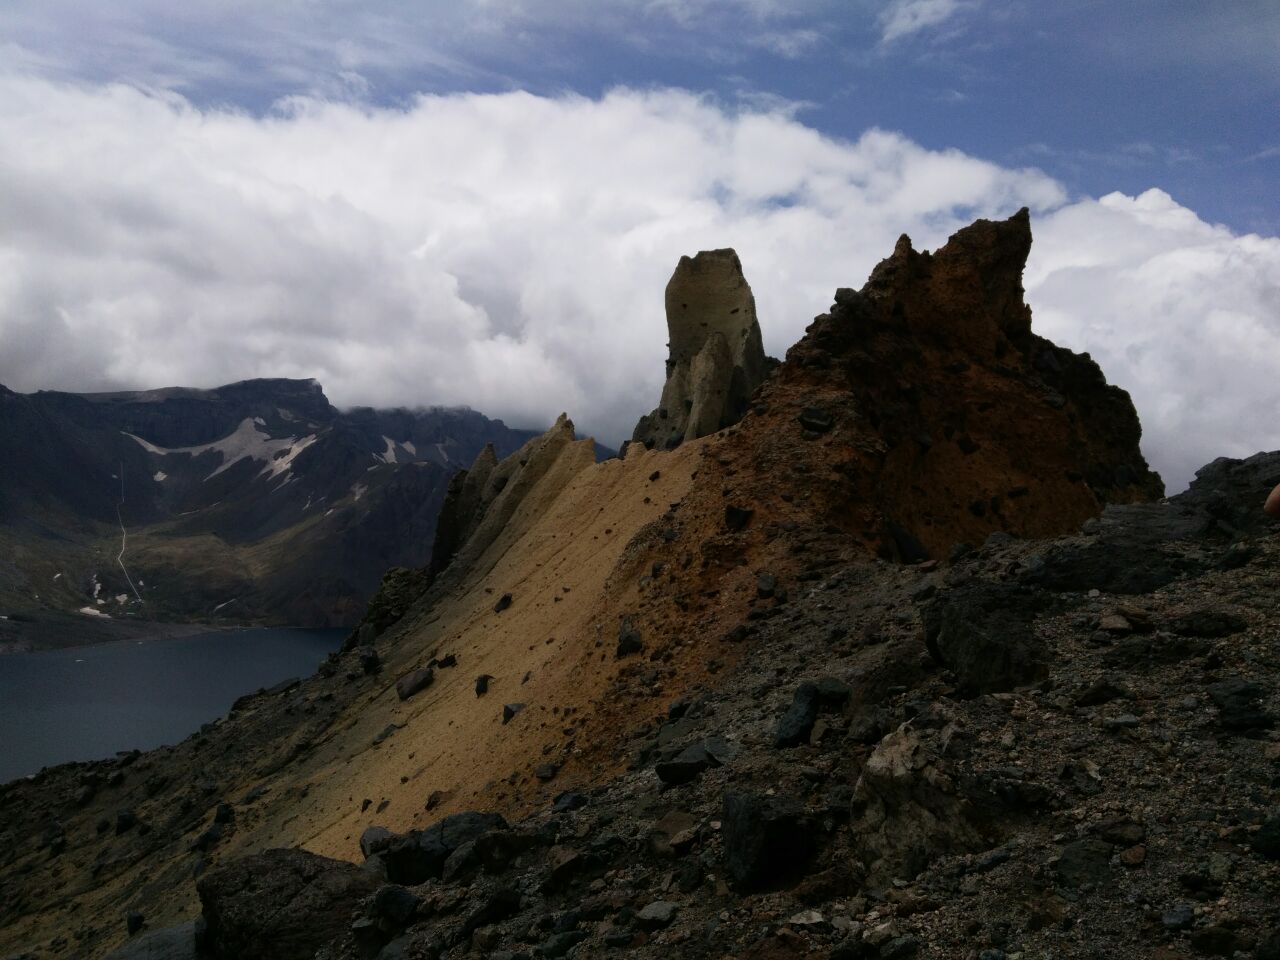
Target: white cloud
column 902, row 18
column 1178, row 311
column 510, row 251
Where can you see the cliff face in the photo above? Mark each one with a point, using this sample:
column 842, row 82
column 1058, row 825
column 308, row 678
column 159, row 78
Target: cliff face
column 716, row 358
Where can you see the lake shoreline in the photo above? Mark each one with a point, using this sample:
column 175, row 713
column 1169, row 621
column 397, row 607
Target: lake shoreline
column 63, row 631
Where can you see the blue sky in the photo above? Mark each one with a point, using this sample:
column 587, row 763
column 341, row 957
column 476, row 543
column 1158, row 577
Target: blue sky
column 480, row 201
column 1179, row 94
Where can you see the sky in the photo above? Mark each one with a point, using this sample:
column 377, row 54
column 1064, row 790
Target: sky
column 479, row 202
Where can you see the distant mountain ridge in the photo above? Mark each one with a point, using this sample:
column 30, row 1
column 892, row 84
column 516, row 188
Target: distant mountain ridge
column 258, row 501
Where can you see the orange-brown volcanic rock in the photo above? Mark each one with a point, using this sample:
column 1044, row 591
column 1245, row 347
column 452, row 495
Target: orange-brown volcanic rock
column 922, row 411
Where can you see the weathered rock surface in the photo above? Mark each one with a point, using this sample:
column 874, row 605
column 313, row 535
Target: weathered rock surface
column 421, row 854
column 938, row 414
column 716, row 356
column 279, row 905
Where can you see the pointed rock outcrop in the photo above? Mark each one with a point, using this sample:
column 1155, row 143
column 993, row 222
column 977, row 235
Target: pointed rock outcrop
column 922, row 411
column 716, row 357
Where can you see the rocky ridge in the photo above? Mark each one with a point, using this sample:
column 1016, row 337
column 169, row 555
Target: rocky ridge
column 692, row 703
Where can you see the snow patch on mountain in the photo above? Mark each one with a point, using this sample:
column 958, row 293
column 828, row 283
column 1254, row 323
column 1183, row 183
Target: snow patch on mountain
column 249, row 441
column 388, row 455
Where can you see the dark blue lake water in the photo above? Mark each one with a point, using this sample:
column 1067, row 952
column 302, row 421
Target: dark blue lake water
column 86, row 703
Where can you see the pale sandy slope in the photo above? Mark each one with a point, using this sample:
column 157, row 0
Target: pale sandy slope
column 554, row 554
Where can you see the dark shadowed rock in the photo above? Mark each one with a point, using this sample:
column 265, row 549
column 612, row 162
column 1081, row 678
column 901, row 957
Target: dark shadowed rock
column 369, row 660
column 1085, row 862
column 737, row 518
column 1269, row 948
column 692, row 760
column 796, row 724
column 394, row 907
column 1239, row 709
column 984, row 634
column 629, row 641
column 768, row 841
column 420, row 855
column 279, row 905
column 1208, row 622
column 1267, row 840
column 375, row 840
column 494, row 908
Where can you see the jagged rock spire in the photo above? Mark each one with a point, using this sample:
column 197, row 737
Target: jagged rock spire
column 716, row 356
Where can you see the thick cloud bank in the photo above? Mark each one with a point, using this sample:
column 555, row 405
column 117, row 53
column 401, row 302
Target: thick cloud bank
column 510, row 252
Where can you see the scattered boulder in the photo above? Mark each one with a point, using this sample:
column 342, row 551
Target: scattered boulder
column 509, row 710
column 1208, row 622
column 370, row 662
column 420, row 855
column 797, row 723
column 908, row 807
column 768, row 841
column 394, row 907
column 279, row 905
column 494, row 908
column 414, row 682
column 815, row 420
column 503, row 603
column 629, row 641
column 375, row 840
column 656, row 915
column 692, row 760
column 568, row 801
column 482, row 684
column 1216, row 940
column 1085, row 863
column 984, row 634
column 1266, row 841
column 1238, row 705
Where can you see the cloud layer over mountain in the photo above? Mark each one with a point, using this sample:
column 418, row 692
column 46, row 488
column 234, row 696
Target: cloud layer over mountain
column 509, row 252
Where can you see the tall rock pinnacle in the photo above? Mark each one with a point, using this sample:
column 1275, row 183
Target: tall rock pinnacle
column 716, row 358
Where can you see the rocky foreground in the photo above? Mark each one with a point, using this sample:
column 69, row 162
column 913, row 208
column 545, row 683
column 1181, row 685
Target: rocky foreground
column 910, row 661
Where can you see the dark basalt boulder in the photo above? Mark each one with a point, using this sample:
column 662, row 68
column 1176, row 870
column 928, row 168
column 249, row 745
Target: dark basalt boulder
column 983, row 633
column 768, row 841
column 420, row 855
column 279, row 905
